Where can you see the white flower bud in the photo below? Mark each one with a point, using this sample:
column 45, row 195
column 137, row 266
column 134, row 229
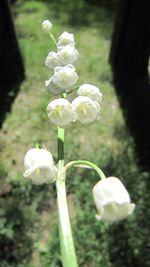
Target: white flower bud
column 39, row 166
column 112, row 200
column 66, row 38
column 87, row 110
column 67, row 54
column 65, row 77
column 91, row 91
column 53, row 87
column 52, row 60
column 60, row 112
column 46, row 26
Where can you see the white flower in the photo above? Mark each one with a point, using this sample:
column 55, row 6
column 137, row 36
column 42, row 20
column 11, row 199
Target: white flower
column 67, row 54
column 53, row 87
column 52, row 60
column 46, row 25
column 66, row 38
column 87, row 110
column 60, row 112
column 65, row 77
column 112, row 200
column 91, row 91
column 39, row 166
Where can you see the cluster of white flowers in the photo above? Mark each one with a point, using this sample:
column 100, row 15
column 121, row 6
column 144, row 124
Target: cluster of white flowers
column 61, row 63
column 110, row 196
column 86, row 106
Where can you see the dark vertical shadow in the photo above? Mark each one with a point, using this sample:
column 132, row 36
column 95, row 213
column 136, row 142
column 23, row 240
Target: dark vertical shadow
column 129, row 59
column 11, row 64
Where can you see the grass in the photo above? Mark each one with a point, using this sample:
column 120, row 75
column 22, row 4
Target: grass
column 107, row 143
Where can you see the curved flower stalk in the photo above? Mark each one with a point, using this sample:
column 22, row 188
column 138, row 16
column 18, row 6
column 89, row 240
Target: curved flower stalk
column 112, row 200
column 40, row 166
column 85, row 164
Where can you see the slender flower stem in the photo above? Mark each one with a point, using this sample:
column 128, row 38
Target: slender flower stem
column 85, row 163
column 68, row 253
column 53, row 39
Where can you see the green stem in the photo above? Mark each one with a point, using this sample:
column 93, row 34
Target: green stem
column 53, row 39
column 66, row 240
column 87, row 163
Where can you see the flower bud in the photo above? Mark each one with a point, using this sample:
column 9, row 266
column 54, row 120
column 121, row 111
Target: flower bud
column 112, row 200
column 66, row 38
column 65, row 77
column 91, row 91
column 39, row 166
column 46, row 26
column 67, row 54
column 52, row 60
column 60, row 112
column 87, row 110
column 53, row 87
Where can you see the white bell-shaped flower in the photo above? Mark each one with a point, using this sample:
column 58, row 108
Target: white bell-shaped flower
column 46, row 26
column 87, row 110
column 52, row 60
column 39, row 166
column 67, row 54
column 112, row 200
column 60, row 112
column 91, row 91
column 65, row 77
column 53, row 87
column 66, row 38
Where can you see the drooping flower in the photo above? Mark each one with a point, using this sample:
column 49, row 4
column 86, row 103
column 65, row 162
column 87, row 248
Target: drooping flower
column 112, row 200
column 53, row 87
column 66, row 38
column 67, row 54
column 52, row 60
column 39, row 166
column 60, row 112
column 87, row 110
column 91, row 91
column 46, row 26
column 65, row 77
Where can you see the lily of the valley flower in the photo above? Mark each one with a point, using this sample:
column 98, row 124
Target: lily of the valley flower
column 52, row 60
column 87, row 110
column 60, row 112
column 53, row 87
column 46, row 26
column 66, row 38
column 39, row 166
column 67, row 54
column 112, row 200
column 91, row 91
column 65, row 77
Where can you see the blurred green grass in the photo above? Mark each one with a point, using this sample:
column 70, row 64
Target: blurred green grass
column 107, row 143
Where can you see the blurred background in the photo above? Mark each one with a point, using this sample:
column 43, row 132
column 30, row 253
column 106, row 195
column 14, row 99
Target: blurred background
column 113, row 39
